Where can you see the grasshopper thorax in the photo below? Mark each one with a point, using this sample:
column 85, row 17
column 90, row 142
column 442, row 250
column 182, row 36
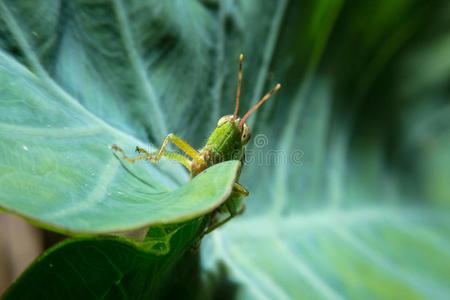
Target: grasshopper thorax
column 229, row 138
column 227, row 142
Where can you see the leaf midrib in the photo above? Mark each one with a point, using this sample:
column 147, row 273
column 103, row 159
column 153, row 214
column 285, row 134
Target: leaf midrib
column 136, row 61
column 269, row 49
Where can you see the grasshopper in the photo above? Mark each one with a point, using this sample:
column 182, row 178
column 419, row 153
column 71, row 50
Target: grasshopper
column 227, row 142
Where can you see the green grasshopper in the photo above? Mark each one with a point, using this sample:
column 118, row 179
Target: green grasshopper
column 227, row 142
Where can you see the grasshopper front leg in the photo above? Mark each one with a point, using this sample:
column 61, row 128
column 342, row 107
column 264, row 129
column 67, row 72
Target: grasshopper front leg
column 221, row 223
column 238, row 188
column 213, row 227
column 231, row 208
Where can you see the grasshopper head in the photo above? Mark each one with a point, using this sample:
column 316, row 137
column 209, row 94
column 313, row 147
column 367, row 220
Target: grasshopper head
column 244, row 131
column 232, row 133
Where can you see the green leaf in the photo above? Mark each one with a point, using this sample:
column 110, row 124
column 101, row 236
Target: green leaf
column 56, row 165
column 106, row 267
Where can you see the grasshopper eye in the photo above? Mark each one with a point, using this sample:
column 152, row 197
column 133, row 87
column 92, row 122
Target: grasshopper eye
column 224, row 119
column 246, row 134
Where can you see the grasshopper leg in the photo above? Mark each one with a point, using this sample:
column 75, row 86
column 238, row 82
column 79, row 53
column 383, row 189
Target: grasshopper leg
column 223, row 222
column 180, row 143
column 155, row 156
column 238, row 188
column 169, row 154
column 151, row 156
column 126, row 158
column 215, row 226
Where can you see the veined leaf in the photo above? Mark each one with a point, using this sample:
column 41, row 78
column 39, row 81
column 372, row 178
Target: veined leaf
column 57, row 167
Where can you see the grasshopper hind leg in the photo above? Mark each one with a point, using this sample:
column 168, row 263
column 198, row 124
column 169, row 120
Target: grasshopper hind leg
column 153, row 156
column 169, row 154
column 126, row 158
column 156, row 156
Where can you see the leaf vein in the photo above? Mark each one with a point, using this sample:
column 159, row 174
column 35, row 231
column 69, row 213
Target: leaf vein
column 96, row 195
column 52, row 132
column 307, row 273
column 426, row 287
column 237, row 270
column 267, row 55
column 136, row 61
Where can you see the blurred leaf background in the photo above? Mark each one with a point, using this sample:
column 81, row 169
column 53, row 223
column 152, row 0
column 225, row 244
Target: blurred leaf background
column 365, row 97
column 355, row 203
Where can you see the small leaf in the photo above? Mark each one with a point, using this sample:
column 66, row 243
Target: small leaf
column 110, row 267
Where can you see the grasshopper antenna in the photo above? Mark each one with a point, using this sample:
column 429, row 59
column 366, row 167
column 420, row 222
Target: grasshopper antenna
column 238, row 94
column 264, row 99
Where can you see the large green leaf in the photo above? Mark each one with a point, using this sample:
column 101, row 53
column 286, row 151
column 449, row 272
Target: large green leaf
column 349, row 181
column 56, row 165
